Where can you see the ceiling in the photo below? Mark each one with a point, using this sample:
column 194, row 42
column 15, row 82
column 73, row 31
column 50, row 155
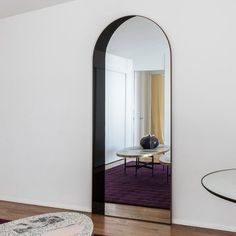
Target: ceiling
column 14, row 7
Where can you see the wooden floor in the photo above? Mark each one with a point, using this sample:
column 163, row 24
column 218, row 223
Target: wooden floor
column 111, row 226
column 138, row 212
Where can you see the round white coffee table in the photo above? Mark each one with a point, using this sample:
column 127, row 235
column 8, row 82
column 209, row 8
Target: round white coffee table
column 139, row 152
column 53, row 224
column 221, row 183
column 165, row 161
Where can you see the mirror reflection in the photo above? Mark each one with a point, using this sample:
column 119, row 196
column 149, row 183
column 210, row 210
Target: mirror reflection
column 137, row 122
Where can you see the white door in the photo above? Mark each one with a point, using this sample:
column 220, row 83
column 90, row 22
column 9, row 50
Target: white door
column 118, row 105
column 142, row 105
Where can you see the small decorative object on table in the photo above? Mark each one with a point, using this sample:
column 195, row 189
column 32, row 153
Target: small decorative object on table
column 149, row 142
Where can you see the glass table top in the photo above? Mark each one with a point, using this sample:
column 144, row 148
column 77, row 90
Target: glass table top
column 221, row 183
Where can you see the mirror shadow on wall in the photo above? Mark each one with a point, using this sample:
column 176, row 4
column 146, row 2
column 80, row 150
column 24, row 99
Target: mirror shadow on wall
column 137, row 181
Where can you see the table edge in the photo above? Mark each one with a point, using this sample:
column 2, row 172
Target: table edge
column 214, row 193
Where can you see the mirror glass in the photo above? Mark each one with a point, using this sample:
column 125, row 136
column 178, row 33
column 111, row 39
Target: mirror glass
column 138, row 105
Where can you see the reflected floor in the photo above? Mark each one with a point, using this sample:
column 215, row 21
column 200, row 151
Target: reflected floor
column 142, row 190
column 138, row 213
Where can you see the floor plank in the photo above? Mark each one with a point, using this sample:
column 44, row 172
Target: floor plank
column 111, row 226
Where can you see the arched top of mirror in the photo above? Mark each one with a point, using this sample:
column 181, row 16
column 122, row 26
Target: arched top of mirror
column 142, row 40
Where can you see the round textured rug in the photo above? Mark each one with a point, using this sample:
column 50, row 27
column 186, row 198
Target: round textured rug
column 53, row 224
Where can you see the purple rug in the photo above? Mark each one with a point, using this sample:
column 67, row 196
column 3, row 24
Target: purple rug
column 141, row 190
column 3, row 221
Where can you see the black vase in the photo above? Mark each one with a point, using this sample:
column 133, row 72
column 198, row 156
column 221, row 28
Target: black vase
column 149, row 142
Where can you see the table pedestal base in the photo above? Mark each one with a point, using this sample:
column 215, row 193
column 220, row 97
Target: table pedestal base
column 140, row 164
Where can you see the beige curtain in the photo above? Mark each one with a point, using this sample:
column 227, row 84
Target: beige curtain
column 157, row 106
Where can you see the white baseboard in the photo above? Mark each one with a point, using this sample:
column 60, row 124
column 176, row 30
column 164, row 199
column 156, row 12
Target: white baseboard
column 45, row 204
column 204, row 225
column 114, row 164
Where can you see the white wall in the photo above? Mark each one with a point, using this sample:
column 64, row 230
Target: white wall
column 46, row 102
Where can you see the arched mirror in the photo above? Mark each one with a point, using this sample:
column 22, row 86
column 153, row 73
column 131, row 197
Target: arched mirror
column 132, row 121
